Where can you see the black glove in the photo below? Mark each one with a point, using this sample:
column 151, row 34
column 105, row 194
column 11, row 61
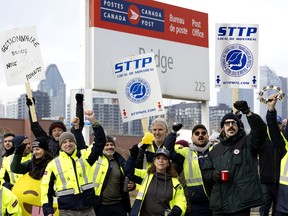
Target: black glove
column 216, row 176
column 79, row 98
column 242, row 106
column 134, row 151
column 176, row 126
column 176, row 211
column 29, row 102
column 238, row 114
column 20, row 149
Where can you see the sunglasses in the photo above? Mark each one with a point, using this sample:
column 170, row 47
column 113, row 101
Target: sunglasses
column 228, row 123
column 203, row 133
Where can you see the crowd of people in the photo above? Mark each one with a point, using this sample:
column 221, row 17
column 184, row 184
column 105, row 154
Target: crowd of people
column 225, row 173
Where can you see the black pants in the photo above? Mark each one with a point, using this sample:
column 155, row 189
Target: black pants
column 245, row 212
column 113, row 209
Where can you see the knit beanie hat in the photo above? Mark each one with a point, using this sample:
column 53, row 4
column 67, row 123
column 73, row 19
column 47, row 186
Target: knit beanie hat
column 18, row 140
column 197, row 127
column 230, row 116
column 110, row 139
column 183, row 143
column 66, row 135
column 55, row 124
column 40, row 142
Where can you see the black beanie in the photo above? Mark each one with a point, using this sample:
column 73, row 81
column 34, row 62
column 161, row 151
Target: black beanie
column 230, row 116
column 18, row 140
column 40, row 142
column 110, row 139
column 8, row 134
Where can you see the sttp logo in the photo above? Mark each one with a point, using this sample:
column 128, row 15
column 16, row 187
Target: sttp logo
column 230, row 31
column 138, row 90
column 136, row 63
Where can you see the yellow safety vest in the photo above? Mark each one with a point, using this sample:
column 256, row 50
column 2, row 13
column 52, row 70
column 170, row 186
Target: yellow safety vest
column 66, row 183
column 9, row 203
column 6, row 168
column 284, row 165
column 178, row 199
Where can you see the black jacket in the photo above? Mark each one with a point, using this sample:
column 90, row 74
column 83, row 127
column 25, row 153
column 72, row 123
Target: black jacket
column 238, row 154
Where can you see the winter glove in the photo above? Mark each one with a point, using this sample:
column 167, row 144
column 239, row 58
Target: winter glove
column 242, row 106
column 176, row 126
column 79, row 98
column 176, row 211
column 29, row 102
column 148, row 138
column 20, row 149
column 134, row 151
column 216, row 175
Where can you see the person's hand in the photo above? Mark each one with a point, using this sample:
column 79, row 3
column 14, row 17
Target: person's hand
column 176, row 126
column 175, row 211
column 148, row 138
column 20, row 149
column 216, row 175
column 76, row 122
column 29, row 101
column 242, row 106
column 134, row 151
column 79, row 98
column 271, row 101
column 89, row 115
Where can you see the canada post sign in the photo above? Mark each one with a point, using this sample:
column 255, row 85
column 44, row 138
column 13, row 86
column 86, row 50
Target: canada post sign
column 129, row 14
column 177, row 36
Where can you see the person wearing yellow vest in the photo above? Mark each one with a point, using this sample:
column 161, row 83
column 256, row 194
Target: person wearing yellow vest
column 7, row 144
column 8, row 177
column 9, row 204
column 70, row 171
column 231, row 167
column 160, row 190
column 192, row 159
column 150, row 144
column 281, row 145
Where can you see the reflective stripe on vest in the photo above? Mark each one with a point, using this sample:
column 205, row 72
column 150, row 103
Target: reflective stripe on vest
column 192, row 179
column 141, row 193
column 284, row 165
column 70, row 191
column 96, row 170
column 1, row 199
column 12, row 176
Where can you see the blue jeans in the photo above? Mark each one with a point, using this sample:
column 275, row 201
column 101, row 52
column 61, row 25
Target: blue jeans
column 270, row 192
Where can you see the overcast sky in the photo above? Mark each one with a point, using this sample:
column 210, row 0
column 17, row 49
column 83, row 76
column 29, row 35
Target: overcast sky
column 58, row 27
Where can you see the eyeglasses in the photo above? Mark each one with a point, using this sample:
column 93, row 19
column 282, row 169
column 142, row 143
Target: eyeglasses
column 203, row 133
column 7, row 141
column 228, row 123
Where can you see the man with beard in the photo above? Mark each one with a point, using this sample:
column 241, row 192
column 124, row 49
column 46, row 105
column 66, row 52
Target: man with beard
column 192, row 160
column 107, row 173
column 236, row 159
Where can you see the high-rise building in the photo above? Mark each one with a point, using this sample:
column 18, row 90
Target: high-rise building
column 12, row 109
column 56, row 89
column 42, row 105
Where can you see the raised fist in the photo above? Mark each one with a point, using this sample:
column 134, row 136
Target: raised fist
column 176, row 126
column 242, row 106
column 148, row 138
column 79, row 98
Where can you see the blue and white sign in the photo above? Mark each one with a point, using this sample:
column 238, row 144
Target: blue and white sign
column 236, row 56
column 138, row 87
